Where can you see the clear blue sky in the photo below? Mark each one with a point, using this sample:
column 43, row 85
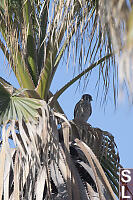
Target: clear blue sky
column 119, row 122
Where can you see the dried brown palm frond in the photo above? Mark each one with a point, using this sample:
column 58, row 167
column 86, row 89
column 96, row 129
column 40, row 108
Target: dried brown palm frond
column 104, row 147
column 52, row 162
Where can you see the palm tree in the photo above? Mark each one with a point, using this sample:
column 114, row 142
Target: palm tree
column 54, row 158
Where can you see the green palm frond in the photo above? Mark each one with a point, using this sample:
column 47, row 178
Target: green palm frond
column 45, row 31
column 14, row 106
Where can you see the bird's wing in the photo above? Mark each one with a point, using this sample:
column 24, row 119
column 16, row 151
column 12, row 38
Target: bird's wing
column 75, row 109
column 90, row 109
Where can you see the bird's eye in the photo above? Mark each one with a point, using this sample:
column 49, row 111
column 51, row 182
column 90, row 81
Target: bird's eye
column 86, row 98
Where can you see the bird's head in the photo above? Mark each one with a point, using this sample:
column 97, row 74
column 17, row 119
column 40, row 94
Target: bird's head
column 87, row 97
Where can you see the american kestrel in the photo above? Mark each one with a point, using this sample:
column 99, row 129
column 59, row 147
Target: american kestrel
column 83, row 109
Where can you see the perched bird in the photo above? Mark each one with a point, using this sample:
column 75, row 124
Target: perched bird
column 83, row 109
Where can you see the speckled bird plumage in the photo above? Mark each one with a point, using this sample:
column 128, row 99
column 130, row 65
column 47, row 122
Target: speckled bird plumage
column 83, row 109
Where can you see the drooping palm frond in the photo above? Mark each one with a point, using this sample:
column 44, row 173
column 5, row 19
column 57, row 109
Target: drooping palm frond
column 104, row 147
column 36, row 34
column 116, row 18
column 55, row 162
